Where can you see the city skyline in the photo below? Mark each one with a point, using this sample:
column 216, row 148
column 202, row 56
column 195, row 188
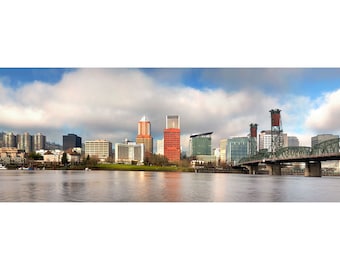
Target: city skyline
column 107, row 103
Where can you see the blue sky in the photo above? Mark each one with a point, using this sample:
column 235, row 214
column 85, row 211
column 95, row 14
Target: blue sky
column 17, row 77
column 108, row 103
column 311, row 82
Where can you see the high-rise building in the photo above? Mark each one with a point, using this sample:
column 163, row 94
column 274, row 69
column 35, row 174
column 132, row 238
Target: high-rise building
column 322, row 137
column 144, row 136
column 293, row 141
column 265, row 140
column 71, row 141
column 10, row 140
column 172, row 138
column 39, row 141
column 200, row 144
column 101, row 149
column 2, row 134
column 238, row 148
column 160, row 147
column 25, row 142
column 223, row 150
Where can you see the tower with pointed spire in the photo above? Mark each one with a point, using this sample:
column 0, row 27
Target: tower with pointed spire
column 144, row 135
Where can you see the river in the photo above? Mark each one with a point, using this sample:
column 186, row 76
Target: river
column 125, row 186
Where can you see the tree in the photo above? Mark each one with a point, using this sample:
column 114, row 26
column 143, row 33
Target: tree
column 158, row 160
column 35, row 156
column 64, row 160
column 91, row 161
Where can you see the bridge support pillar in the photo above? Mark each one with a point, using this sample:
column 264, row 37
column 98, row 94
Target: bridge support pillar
column 313, row 169
column 274, row 169
column 253, row 169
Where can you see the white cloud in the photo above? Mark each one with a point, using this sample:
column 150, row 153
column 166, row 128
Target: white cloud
column 108, row 103
column 326, row 117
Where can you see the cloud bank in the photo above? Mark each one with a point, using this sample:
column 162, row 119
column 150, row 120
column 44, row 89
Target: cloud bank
column 325, row 118
column 108, row 103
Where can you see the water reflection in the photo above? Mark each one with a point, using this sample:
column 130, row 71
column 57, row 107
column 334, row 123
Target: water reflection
column 32, row 189
column 73, row 191
column 116, row 186
column 172, row 185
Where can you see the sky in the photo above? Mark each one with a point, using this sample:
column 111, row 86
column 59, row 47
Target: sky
column 107, row 103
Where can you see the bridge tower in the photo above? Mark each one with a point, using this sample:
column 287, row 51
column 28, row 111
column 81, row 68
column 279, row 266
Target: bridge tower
column 253, row 139
column 276, row 130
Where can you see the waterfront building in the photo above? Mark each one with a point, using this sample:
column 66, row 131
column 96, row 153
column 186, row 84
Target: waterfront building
column 70, row 141
column 265, row 140
column 73, row 156
column 11, row 155
column 321, row 138
column 330, row 164
column 172, row 138
column 237, row 148
column 216, row 154
column 129, row 152
column 9, row 140
column 144, row 136
column 39, row 141
column 293, row 141
column 53, row 156
column 223, row 150
column 101, row 149
column 160, row 147
column 200, row 144
column 25, row 142
column 2, row 134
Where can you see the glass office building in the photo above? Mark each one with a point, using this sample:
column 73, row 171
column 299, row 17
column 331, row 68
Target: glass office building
column 200, row 144
column 237, row 149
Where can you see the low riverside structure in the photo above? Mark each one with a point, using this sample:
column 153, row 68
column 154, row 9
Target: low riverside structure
column 129, row 152
column 11, row 155
column 101, row 149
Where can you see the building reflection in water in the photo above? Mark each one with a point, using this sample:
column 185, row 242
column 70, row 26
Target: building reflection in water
column 219, row 187
column 73, row 187
column 172, row 186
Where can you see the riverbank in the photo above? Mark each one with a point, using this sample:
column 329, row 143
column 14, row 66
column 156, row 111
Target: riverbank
column 125, row 167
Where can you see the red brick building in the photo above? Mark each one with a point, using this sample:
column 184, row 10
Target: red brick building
column 172, row 139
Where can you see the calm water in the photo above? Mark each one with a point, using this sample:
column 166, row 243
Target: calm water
column 117, row 186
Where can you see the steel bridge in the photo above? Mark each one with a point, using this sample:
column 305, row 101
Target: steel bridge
column 312, row 156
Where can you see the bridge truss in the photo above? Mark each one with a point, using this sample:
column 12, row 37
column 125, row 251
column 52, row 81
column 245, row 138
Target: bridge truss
column 326, row 148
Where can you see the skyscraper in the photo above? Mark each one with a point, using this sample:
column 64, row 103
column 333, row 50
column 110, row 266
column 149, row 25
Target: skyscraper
column 238, row 148
column 172, row 138
column 25, row 142
column 10, row 140
column 265, row 140
column 160, row 147
column 144, row 135
column 39, row 141
column 200, row 144
column 71, row 141
column 223, row 150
